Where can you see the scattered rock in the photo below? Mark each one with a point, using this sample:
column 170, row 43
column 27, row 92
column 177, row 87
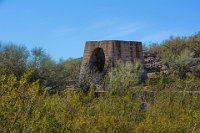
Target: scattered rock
column 154, row 65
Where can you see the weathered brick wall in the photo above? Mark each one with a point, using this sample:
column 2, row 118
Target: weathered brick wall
column 114, row 50
column 92, row 45
column 111, row 52
column 107, row 53
column 127, row 50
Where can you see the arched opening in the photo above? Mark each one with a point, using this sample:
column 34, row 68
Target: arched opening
column 97, row 60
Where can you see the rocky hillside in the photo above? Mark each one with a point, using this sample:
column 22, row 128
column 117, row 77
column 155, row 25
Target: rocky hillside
column 154, row 65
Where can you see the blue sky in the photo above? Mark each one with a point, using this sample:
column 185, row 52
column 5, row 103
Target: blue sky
column 62, row 27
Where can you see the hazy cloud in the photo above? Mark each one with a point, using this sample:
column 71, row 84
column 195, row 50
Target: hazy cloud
column 158, row 36
column 113, row 29
column 101, row 24
column 124, row 30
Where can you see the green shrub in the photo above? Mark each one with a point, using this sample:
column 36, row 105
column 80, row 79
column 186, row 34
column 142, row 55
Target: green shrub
column 165, row 104
column 122, row 78
column 182, row 63
column 23, row 109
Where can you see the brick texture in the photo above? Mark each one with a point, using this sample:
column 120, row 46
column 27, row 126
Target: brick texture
column 126, row 51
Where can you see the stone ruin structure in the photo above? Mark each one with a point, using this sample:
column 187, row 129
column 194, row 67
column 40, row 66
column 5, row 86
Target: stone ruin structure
column 99, row 56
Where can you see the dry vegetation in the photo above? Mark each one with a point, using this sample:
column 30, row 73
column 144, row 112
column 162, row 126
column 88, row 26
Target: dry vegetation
column 167, row 103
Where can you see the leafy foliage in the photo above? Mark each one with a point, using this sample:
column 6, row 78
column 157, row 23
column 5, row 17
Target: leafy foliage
column 23, row 109
column 179, row 52
column 166, row 103
column 17, row 60
column 14, row 58
column 124, row 76
column 182, row 63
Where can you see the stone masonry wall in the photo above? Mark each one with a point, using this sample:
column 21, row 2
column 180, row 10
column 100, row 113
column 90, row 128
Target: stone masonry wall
column 126, row 51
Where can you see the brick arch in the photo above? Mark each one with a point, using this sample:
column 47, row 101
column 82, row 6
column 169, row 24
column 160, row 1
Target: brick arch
column 97, row 60
column 127, row 51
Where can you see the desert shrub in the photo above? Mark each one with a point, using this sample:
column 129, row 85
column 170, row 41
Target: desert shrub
column 194, row 44
column 17, row 101
column 182, row 63
column 168, row 49
column 123, row 77
column 86, row 78
column 14, row 58
column 178, row 52
column 173, row 82
column 17, row 60
column 162, row 81
column 196, row 71
column 23, row 109
column 172, row 112
column 167, row 103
